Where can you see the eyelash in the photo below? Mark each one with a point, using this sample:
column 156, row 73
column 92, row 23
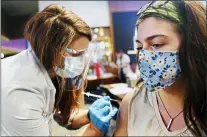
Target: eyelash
column 139, row 48
column 156, row 45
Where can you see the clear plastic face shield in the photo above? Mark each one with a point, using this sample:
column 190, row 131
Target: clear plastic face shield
column 76, row 67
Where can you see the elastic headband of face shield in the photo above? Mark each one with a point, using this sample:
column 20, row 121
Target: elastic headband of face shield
column 75, row 83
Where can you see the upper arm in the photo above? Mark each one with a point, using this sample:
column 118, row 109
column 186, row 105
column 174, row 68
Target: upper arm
column 122, row 117
column 22, row 113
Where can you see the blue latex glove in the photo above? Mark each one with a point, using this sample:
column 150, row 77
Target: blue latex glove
column 101, row 112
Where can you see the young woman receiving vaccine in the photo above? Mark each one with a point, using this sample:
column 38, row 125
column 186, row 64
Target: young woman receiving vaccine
column 59, row 51
column 170, row 98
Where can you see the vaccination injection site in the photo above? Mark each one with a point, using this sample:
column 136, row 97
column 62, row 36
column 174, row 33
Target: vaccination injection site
column 103, row 68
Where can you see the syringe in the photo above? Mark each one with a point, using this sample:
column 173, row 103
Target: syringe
column 94, row 95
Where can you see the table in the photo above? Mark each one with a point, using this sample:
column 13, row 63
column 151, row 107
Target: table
column 118, row 89
column 106, row 78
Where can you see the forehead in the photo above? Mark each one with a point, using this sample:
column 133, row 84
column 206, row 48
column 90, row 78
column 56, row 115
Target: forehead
column 79, row 43
column 153, row 26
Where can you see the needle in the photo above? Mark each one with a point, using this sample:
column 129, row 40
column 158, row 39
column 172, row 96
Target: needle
column 94, row 95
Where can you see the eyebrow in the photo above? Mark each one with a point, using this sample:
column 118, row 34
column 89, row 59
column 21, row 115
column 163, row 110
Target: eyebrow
column 152, row 37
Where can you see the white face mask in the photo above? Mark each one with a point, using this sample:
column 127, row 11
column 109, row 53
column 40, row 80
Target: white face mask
column 73, row 66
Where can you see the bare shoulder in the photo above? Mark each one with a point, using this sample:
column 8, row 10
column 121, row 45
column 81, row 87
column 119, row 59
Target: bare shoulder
column 126, row 100
column 122, row 117
column 125, row 104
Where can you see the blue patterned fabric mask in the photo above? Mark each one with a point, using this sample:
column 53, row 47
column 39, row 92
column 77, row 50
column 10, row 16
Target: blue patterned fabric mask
column 158, row 69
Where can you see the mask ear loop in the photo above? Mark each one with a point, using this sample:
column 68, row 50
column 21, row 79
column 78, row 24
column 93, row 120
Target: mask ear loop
column 56, row 69
column 61, row 55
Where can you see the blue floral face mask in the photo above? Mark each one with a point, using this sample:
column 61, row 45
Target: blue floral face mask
column 158, row 69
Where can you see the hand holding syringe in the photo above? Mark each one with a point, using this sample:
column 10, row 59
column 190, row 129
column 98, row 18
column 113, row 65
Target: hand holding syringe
column 94, row 95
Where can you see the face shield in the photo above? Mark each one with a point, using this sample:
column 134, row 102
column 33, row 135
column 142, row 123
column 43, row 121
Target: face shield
column 76, row 67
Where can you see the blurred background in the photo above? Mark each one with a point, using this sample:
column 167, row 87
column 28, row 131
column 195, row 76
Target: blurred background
column 113, row 26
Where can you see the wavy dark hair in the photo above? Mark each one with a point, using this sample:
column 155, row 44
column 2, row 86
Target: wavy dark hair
column 193, row 61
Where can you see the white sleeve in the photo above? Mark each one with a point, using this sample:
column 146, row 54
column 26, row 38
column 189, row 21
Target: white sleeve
column 22, row 112
column 126, row 59
column 118, row 62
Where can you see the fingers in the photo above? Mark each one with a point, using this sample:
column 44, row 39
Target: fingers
column 111, row 114
column 103, row 104
column 106, row 98
column 105, row 111
column 100, row 103
column 95, row 104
